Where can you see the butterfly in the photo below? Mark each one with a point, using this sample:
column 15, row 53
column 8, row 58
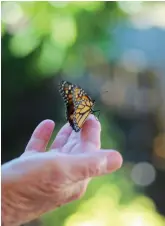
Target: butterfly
column 78, row 104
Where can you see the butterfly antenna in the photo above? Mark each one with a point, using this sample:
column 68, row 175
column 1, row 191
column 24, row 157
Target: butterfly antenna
column 104, row 92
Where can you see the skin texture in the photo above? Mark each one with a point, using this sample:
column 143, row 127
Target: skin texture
column 40, row 181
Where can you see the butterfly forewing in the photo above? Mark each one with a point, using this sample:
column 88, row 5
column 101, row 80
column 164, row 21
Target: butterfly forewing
column 82, row 109
column 65, row 89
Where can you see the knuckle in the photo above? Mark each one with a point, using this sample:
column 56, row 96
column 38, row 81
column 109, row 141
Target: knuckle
column 94, row 168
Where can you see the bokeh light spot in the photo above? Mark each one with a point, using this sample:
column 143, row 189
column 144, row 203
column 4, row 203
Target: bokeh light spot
column 130, row 7
column 134, row 60
column 143, row 174
column 23, row 43
column 89, row 5
column 64, row 30
column 11, row 12
column 59, row 4
column 51, row 58
column 159, row 145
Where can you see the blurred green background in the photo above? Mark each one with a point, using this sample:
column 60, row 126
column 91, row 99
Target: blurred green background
column 117, row 47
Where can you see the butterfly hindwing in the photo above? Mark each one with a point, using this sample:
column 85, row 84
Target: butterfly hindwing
column 65, row 89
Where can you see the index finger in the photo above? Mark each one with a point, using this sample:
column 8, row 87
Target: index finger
column 40, row 136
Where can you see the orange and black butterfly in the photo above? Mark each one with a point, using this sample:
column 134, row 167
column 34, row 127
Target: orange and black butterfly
column 78, row 104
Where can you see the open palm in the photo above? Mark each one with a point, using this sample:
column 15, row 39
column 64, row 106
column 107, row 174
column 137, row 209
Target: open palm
column 47, row 180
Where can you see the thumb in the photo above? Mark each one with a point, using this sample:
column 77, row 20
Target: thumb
column 94, row 164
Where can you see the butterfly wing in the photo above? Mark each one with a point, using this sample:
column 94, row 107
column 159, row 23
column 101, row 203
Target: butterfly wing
column 82, row 109
column 78, row 104
column 65, row 89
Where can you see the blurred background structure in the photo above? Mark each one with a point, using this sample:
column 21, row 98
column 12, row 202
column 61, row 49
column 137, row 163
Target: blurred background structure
column 117, row 47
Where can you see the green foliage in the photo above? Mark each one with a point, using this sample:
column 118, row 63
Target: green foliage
column 42, row 39
column 111, row 135
column 62, row 30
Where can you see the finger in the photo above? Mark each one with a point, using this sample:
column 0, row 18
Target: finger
column 90, row 132
column 91, row 164
column 87, row 140
column 40, row 136
column 62, row 137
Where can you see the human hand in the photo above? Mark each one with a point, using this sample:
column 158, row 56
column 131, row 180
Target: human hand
column 40, row 181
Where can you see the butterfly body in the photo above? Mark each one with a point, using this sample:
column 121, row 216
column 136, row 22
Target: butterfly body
column 78, row 104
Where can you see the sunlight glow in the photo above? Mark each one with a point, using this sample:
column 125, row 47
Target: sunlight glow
column 130, row 7
column 150, row 16
column 102, row 210
column 11, row 12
